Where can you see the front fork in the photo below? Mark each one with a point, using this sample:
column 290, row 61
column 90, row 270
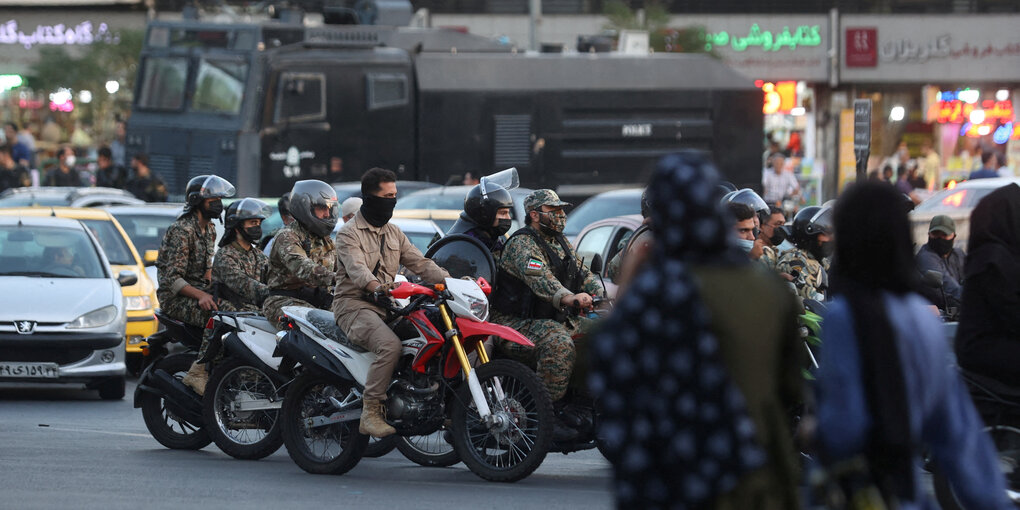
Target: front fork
column 481, row 403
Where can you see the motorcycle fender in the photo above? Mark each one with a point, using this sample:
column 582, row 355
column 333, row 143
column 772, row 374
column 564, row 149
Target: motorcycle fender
column 235, row 347
column 143, row 384
column 299, row 347
column 469, row 329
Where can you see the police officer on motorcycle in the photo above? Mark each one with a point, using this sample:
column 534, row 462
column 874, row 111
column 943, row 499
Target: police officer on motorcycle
column 486, row 215
column 808, row 262
column 240, row 270
column 539, row 274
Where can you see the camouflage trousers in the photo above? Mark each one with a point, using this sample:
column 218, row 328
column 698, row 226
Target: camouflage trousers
column 272, row 308
column 186, row 310
column 558, row 359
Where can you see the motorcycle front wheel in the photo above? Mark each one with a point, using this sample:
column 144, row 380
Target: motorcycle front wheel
column 242, row 434
column 1007, row 444
column 166, row 427
column 519, row 440
column 313, row 442
column 430, row 450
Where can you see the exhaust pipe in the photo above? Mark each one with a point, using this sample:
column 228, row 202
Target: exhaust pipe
column 180, row 399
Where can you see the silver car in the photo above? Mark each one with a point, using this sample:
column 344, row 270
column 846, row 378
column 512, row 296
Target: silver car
column 62, row 315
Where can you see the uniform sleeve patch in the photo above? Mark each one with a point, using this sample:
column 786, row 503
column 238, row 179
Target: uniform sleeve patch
column 535, row 265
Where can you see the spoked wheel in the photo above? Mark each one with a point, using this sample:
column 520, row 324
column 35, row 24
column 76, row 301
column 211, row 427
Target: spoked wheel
column 1007, row 444
column 520, row 436
column 321, row 437
column 378, row 447
column 431, row 450
column 235, row 409
column 166, row 427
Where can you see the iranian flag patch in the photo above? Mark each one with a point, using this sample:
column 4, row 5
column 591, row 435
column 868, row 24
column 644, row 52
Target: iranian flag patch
column 535, row 265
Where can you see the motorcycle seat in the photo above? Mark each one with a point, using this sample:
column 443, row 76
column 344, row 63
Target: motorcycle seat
column 326, row 324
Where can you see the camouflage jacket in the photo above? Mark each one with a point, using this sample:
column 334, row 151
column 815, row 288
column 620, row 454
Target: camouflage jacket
column 524, row 259
column 812, row 280
column 243, row 273
column 301, row 259
column 769, row 257
column 185, row 257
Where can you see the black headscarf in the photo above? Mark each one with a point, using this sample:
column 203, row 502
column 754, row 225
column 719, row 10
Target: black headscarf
column 676, row 425
column 874, row 255
column 995, row 232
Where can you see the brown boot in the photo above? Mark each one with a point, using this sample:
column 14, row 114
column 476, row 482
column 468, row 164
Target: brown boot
column 373, row 421
column 196, row 378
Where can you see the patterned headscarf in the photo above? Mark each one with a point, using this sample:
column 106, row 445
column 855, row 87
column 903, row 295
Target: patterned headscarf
column 675, row 424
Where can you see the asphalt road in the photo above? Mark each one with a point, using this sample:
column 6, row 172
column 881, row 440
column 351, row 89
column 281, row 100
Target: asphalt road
column 61, row 447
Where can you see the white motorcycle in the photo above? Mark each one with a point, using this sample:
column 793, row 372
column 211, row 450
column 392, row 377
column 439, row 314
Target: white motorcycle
column 498, row 413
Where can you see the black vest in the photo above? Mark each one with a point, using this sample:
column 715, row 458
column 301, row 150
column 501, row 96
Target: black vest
column 514, row 297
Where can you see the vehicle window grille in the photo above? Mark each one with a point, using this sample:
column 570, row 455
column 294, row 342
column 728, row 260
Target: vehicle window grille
column 386, row 90
column 512, row 140
column 301, row 97
column 170, row 169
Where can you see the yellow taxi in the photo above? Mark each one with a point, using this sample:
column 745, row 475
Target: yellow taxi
column 140, row 298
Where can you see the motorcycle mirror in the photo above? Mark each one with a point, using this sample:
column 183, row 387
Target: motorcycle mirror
column 596, row 264
column 508, row 179
column 933, row 279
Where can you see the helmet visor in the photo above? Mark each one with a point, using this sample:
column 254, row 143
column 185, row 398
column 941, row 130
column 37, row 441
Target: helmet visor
column 252, row 208
column 748, row 197
column 216, row 187
column 506, row 179
column 821, row 222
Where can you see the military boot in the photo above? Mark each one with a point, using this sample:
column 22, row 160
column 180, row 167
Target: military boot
column 373, row 423
column 196, row 378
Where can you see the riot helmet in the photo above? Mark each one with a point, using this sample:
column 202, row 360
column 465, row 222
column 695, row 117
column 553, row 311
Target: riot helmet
column 748, row 197
column 807, row 225
column 484, row 200
column 308, row 194
column 240, row 211
column 206, row 186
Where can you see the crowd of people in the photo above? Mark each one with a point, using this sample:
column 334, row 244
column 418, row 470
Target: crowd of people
column 23, row 164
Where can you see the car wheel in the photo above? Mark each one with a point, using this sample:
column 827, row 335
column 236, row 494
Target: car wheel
column 112, row 389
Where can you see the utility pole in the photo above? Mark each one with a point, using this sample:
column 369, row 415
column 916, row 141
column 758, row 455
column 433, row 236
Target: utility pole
column 534, row 19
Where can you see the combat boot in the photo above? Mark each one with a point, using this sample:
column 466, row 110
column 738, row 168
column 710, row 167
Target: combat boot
column 373, row 422
column 196, row 378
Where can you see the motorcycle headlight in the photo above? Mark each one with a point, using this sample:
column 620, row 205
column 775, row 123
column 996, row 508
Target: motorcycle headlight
column 95, row 318
column 136, row 303
column 479, row 308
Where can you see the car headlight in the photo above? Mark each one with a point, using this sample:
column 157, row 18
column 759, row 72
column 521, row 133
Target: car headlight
column 135, row 303
column 95, row 318
column 479, row 308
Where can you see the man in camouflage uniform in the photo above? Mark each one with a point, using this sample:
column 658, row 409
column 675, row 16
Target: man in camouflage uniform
column 184, row 264
column 772, row 235
column 303, row 262
column 539, row 273
column 808, row 261
column 240, row 270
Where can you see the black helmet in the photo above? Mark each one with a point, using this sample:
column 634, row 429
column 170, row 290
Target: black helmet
column 238, row 212
column 310, row 193
column 205, row 186
column 646, row 205
column 484, row 200
column 808, row 223
column 284, row 205
column 748, row 197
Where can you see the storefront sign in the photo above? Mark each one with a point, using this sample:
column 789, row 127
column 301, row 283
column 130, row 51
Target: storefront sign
column 861, row 47
column 804, row 35
column 933, row 48
column 56, row 35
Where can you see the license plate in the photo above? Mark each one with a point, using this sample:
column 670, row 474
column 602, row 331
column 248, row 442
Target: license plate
column 29, row 370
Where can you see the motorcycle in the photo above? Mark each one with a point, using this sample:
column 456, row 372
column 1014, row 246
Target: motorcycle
column 498, row 414
column 172, row 411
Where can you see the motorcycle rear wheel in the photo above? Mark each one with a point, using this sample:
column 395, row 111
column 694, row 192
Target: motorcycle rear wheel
column 170, row 430
column 234, row 381
column 430, row 451
column 515, row 452
column 1007, row 444
column 331, row 449
column 378, row 447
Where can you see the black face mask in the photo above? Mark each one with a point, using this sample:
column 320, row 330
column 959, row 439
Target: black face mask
column 778, row 236
column 502, row 227
column 377, row 210
column 823, row 250
column 252, row 234
column 941, row 246
column 213, row 210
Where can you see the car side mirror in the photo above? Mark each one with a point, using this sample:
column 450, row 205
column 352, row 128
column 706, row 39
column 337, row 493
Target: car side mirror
column 126, row 278
column 933, row 279
column 596, row 264
column 150, row 257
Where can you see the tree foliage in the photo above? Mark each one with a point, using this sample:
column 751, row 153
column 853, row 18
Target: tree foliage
column 661, row 38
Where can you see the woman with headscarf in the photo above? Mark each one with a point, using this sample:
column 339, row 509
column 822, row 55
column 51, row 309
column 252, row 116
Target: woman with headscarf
column 988, row 338
column 884, row 387
column 699, row 363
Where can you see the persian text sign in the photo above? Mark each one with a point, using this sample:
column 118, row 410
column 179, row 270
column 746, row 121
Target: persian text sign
column 60, row 34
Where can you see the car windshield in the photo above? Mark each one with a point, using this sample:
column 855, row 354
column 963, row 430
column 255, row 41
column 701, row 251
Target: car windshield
column 599, row 209
column 30, row 199
column 145, row 230
column 422, row 240
column 113, row 244
column 432, row 201
column 48, row 252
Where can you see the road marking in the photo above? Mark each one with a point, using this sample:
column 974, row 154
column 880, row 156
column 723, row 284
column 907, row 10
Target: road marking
column 130, row 434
